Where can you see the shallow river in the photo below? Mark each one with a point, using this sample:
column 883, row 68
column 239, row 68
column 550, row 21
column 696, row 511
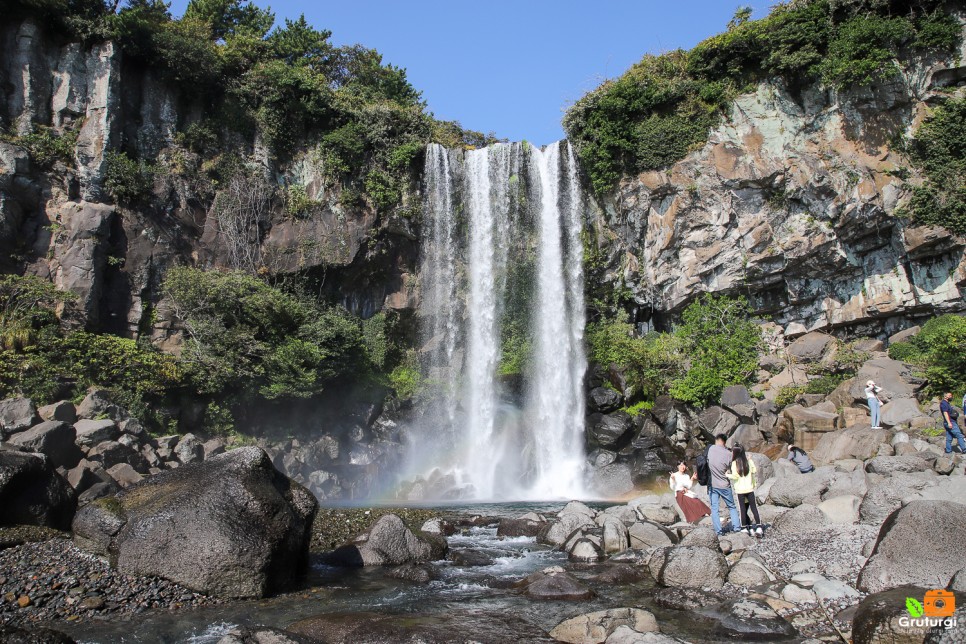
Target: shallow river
column 459, row 590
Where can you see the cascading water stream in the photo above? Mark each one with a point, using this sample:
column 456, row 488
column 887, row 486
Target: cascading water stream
column 502, row 271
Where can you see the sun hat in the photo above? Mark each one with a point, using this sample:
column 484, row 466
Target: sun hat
column 870, row 383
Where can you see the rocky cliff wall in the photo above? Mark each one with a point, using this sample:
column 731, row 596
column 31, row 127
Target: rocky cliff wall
column 59, row 222
column 793, row 202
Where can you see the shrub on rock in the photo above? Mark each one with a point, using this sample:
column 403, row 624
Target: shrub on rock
column 232, row 526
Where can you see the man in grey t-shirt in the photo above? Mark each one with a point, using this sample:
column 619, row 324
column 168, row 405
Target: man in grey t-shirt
column 719, row 462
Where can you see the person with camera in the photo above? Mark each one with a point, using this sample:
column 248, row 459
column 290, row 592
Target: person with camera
column 950, row 416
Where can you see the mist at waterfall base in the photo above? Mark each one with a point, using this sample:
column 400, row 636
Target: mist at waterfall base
column 501, row 315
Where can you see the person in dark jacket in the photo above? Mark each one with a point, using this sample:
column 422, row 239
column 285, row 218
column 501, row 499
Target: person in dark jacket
column 798, row 456
column 950, row 415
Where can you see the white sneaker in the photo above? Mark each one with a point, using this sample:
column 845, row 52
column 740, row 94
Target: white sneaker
column 877, row 427
column 759, row 532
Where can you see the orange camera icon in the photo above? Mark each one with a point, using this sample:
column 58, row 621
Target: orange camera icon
column 939, row 603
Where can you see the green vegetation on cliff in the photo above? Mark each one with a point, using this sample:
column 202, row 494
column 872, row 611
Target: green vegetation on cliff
column 289, row 84
column 716, row 345
column 939, row 148
column 940, row 350
column 664, row 106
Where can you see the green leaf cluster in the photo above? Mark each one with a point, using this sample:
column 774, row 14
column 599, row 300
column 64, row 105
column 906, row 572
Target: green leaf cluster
column 664, row 106
column 46, row 146
column 249, row 340
column 939, row 149
column 127, row 180
column 940, row 350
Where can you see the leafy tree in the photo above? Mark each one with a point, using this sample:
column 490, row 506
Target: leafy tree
column 939, row 148
column 722, row 345
column 298, row 43
column 27, row 304
column 250, row 339
column 230, row 17
column 940, row 349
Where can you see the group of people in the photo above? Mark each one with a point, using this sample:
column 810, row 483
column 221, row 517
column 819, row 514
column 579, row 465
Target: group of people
column 949, row 414
column 732, row 477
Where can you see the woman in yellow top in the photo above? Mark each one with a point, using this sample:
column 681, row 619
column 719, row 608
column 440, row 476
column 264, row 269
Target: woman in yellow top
column 744, row 480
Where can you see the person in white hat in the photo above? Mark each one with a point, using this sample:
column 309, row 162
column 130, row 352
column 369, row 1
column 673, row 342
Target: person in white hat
column 871, row 394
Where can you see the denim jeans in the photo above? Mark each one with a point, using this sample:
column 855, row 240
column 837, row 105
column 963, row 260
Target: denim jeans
column 874, row 408
column 952, row 432
column 716, row 494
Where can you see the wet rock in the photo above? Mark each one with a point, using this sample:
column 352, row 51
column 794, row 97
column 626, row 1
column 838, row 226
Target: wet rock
column 694, row 567
column 388, row 542
column 555, row 584
column 233, row 526
column 438, row 526
column 453, row 625
column 613, row 481
column 263, row 635
column 616, row 538
column 585, row 551
column 520, row 527
column 619, row 575
column 468, row 557
column 11, row 634
column 752, row 619
column 53, row 438
column 907, row 553
column 596, row 627
column 415, row 573
column 33, row 493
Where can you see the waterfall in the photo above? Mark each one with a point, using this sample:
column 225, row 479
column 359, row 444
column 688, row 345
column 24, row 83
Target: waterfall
column 501, row 272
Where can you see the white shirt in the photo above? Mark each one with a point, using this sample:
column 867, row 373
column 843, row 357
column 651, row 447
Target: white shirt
column 680, row 482
column 870, row 392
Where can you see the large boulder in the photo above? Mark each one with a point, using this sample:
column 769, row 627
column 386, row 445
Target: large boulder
column 554, row 584
column 53, row 438
column 886, row 496
column 793, row 490
column 883, row 617
column 809, row 425
column 918, row 544
column 63, row 411
column 33, row 493
column 810, row 347
column 189, row 449
column 717, row 420
column 613, row 481
column 693, row 567
column 611, row 428
column 17, row 414
column 896, row 379
column 596, row 627
column 646, row 534
column 604, row 399
column 738, row 401
column 92, row 432
column 388, row 542
column 860, row 442
column 804, row 518
column 841, row 509
column 901, row 411
column 889, row 465
column 232, row 526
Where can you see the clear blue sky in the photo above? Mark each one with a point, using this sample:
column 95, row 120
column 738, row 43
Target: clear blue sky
column 512, row 67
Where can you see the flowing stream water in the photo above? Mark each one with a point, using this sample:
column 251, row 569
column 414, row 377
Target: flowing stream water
column 502, row 318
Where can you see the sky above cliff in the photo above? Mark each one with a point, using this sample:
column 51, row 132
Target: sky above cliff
column 512, row 67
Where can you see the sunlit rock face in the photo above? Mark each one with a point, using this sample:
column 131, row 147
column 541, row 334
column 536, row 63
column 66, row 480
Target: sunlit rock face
column 794, row 201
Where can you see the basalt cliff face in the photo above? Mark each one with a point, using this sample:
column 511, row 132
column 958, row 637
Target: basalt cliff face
column 793, row 202
column 58, row 221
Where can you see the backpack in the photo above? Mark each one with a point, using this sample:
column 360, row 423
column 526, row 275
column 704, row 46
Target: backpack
column 702, row 467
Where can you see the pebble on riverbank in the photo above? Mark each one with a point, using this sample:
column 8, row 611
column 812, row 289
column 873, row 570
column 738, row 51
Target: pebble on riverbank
column 52, row 580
